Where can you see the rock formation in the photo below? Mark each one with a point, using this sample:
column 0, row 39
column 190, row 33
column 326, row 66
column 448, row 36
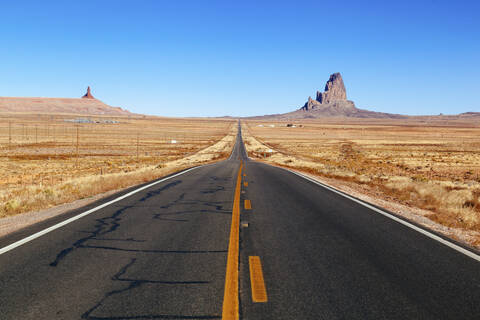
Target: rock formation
column 334, row 90
column 88, row 95
column 333, row 103
column 311, row 104
column 334, row 93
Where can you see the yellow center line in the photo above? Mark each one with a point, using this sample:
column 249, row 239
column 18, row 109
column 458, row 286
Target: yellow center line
column 230, row 298
column 247, row 205
column 259, row 292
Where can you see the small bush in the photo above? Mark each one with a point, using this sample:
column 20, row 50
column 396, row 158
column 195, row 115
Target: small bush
column 11, row 205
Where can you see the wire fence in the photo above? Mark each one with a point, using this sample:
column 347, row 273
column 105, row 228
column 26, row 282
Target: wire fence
column 100, row 139
column 54, row 150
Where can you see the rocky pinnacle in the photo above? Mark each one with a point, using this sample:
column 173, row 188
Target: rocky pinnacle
column 88, row 95
column 334, row 92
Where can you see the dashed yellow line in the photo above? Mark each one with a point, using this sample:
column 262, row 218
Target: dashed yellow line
column 259, row 292
column 230, row 297
column 247, row 205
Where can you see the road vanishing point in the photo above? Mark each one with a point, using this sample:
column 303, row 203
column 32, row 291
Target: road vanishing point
column 238, row 239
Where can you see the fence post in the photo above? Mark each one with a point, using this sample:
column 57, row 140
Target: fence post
column 9, row 135
column 76, row 161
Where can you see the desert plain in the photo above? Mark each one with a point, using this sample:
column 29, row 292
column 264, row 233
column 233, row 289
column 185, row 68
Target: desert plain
column 51, row 159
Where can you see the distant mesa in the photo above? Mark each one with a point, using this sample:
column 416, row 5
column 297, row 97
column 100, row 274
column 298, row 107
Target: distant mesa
column 86, row 105
column 88, row 95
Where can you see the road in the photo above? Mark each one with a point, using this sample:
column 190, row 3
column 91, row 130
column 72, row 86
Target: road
column 162, row 253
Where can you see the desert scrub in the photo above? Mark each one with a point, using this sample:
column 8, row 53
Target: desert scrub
column 11, row 206
column 75, row 183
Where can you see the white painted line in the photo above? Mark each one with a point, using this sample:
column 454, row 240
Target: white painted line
column 83, row 214
column 386, row 214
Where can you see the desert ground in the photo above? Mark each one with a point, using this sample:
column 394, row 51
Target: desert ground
column 50, row 159
column 430, row 167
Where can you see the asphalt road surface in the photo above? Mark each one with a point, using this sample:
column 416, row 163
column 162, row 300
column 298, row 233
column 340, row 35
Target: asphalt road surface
column 161, row 253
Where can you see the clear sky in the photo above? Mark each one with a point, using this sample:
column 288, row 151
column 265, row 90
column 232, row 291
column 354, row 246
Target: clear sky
column 240, row 58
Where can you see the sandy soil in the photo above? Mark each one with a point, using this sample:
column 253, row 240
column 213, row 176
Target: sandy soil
column 44, row 157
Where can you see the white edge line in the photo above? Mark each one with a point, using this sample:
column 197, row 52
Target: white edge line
column 408, row 224
column 388, row 215
column 83, row 214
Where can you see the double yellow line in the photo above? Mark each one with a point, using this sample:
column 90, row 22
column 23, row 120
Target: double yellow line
column 230, row 298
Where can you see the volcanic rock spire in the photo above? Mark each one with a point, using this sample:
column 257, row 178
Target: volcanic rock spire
column 311, row 104
column 335, row 93
column 88, row 95
column 334, row 90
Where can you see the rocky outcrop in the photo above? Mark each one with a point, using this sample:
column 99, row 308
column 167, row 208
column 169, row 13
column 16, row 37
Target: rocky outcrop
column 330, row 104
column 310, row 104
column 333, row 103
column 334, row 92
column 88, row 95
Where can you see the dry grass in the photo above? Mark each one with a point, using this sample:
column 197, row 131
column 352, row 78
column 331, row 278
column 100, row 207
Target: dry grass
column 433, row 166
column 40, row 166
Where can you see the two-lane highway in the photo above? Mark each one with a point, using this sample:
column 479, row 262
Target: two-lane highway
column 305, row 251
column 326, row 257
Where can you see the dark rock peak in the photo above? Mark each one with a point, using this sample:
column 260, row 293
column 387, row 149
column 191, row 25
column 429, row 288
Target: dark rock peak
column 334, row 92
column 88, row 95
column 334, row 78
column 310, row 104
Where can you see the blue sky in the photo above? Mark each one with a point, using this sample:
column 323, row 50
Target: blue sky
column 240, row 58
